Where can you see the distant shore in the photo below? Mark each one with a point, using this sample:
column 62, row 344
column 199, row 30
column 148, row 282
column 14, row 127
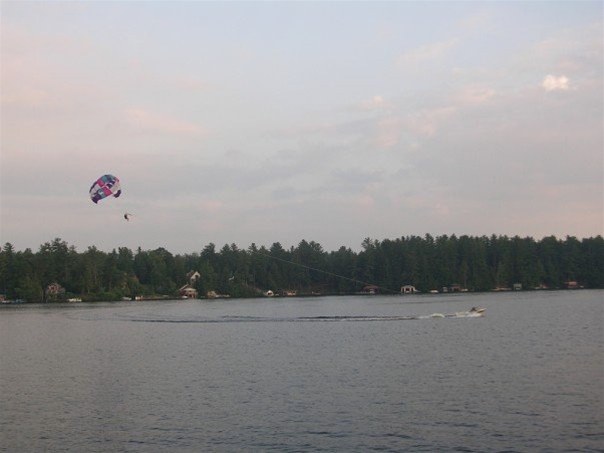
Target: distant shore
column 57, row 272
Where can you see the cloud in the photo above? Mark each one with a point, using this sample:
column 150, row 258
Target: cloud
column 388, row 131
column 477, row 22
column 375, row 103
column 426, row 122
column 146, row 120
column 475, row 95
column 553, row 83
column 427, row 52
column 365, row 201
column 391, row 130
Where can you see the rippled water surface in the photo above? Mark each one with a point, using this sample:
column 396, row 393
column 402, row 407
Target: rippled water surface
column 315, row 374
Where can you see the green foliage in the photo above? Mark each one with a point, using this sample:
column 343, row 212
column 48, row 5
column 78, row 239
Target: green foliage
column 476, row 263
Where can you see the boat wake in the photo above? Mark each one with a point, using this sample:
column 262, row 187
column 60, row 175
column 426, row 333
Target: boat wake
column 344, row 318
column 474, row 312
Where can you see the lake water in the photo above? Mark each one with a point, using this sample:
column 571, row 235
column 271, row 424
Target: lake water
column 348, row 374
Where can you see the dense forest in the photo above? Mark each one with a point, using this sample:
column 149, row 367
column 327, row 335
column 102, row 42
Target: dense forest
column 428, row 263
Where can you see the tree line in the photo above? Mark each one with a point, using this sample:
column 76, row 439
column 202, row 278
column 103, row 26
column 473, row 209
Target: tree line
column 428, row 263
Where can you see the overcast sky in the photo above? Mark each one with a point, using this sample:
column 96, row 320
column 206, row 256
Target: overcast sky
column 262, row 122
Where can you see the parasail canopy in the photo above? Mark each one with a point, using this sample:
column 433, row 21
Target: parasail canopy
column 105, row 186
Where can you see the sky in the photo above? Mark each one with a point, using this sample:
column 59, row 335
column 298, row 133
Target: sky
column 326, row 121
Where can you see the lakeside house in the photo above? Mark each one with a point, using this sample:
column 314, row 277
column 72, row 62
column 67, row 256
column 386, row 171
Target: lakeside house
column 371, row 289
column 187, row 292
column 215, row 295
column 54, row 291
column 193, row 276
column 408, row 289
column 571, row 284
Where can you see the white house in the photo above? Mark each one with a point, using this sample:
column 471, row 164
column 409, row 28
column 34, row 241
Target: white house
column 188, row 292
column 408, row 289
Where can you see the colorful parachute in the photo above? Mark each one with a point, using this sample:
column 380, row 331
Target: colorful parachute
column 105, row 186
